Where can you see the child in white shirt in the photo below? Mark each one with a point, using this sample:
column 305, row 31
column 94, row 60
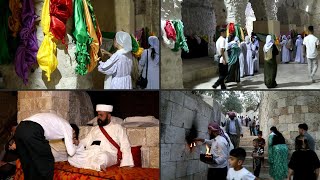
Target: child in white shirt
column 237, row 172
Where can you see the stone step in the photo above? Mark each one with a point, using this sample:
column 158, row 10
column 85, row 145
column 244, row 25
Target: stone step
column 249, row 161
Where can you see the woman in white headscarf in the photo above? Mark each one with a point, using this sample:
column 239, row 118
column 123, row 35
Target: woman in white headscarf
column 285, row 50
column 299, row 55
column 270, row 63
column 255, row 48
column 118, row 67
column 249, row 60
column 150, row 58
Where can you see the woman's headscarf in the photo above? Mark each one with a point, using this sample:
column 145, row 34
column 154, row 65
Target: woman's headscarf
column 299, row 37
column 269, row 43
column 154, row 43
column 124, row 40
column 215, row 127
column 284, row 37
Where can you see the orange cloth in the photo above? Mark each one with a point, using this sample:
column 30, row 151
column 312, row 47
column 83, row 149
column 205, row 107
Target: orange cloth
column 14, row 21
column 94, row 46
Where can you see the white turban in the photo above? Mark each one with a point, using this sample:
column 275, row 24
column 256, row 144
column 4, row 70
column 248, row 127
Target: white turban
column 154, row 43
column 124, row 40
column 104, row 107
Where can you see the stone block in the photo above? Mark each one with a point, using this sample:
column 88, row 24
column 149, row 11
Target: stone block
column 152, row 134
column 177, row 97
column 145, row 156
column 178, row 152
column 181, row 169
column 137, row 136
column 282, row 119
column 283, row 111
column 174, row 134
column 305, row 100
column 304, row 109
column 180, row 115
column 202, row 123
column 283, row 127
column 291, row 109
column 298, row 118
column 193, row 167
column 190, row 102
column 165, row 95
column 313, row 108
column 165, row 152
column 201, row 175
column 154, row 157
column 165, row 111
column 168, row 170
column 281, row 103
column 311, row 117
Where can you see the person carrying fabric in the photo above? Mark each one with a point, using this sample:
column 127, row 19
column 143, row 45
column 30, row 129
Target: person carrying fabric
column 233, row 63
column 270, row 63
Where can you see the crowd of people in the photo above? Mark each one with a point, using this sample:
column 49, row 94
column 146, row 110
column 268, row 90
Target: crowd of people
column 228, row 157
column 239, row 59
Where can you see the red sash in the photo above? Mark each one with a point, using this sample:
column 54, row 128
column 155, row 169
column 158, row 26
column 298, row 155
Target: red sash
column 119, row 154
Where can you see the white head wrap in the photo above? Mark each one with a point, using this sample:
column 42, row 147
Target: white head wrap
column 269, row 43
column 154, row 43
column 104, row 107
column 124, row 40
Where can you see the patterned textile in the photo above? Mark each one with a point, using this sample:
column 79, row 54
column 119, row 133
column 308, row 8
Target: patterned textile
column 64, row 171
column 278, row 160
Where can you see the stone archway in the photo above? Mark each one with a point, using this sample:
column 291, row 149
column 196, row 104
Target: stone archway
column 282, row 15
column 259, row 9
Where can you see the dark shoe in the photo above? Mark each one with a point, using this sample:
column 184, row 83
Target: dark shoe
column 214, row 86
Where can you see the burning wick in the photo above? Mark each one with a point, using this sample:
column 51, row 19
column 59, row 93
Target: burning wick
column 193, row 145
column 208, row 150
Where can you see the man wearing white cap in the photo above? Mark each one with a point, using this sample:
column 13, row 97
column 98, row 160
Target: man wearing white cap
column 106, row 144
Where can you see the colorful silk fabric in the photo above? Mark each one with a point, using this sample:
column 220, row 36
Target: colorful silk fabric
column 181, row 41
column 82, row 37
column 26, row 52
column 170, row 31
column 46, row 56
column 60, row 12
column 94, row 46
column 14, row 21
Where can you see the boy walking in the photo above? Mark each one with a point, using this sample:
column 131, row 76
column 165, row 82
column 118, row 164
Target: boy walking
column 257, row 155
column 237, row 171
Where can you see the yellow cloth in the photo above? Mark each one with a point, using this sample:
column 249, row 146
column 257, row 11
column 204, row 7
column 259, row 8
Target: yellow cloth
column 242, row 34
column 46, row 56
column 94, row 46
column 227, row 30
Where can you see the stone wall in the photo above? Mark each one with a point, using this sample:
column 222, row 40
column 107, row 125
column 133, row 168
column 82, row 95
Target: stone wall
column 286, row 110
column 179, row 110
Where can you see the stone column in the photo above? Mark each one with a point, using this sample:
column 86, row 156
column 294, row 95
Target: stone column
column 124, row 15
column 171, row 62
column 292, row 27
column 236, row 11
column 271, row 9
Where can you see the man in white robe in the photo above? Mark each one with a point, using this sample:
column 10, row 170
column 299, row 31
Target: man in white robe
column 96, row 151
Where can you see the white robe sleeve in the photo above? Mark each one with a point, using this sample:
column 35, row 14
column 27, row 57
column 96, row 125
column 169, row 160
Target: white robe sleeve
column 125, row 148
column 88, row 139
column 71, row 148
column 109, row 67
column 142, row 61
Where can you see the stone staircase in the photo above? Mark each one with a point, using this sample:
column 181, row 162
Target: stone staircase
column 246, row 143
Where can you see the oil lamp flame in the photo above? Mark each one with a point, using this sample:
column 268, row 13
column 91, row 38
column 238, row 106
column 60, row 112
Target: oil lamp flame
column 193, row 145
column 208, row 149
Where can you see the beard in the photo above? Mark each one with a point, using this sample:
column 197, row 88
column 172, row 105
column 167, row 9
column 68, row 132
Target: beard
column 102, row 123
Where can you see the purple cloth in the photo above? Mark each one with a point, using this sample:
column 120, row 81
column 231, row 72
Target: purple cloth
column 26, row 54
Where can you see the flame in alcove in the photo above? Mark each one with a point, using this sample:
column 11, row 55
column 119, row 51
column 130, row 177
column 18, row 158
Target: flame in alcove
column 193, row 145
column 208, row 149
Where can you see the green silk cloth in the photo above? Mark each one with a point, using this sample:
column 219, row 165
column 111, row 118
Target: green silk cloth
column 82, row 38
column 181, row 41
column 235, row 52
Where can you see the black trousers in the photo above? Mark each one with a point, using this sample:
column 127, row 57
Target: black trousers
column 34, row 151
column 223, row 72
column 257, row 167
column 217, row 173
column 7, row 170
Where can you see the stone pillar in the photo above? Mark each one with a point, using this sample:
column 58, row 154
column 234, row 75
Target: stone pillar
column 236, row 11
column 32, row 102
column 286, row 110
column 124, row 15
column 271, row 9
column 284, row 28
column 171, row 62
column 292, row 27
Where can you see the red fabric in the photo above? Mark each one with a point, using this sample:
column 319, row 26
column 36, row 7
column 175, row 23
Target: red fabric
column 231, row 28
column 136, row 154
column 60, row 11
column 64, row 171
column 171, row 32
column 99, row 34
column 119, row 154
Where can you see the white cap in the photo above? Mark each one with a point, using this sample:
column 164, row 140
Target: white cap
column 104, row 107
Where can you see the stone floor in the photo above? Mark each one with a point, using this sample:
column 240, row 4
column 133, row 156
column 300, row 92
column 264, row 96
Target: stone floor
column 289, row 76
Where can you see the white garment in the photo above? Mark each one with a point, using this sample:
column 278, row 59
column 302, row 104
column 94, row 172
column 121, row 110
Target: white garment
column 55, row 127
column 242, row 58
column 219, row 150
column 299, row 54
column 93, row 156
column 153, row 69
column 232, row 126
column 119, row 66
column 311, row 42
column 220, row 44
column 285, row 51
column 269, row 44
column 242, row 174
column 249, row 60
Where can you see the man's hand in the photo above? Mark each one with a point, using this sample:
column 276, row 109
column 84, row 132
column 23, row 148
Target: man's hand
column 75, row 141
column 105, row 54
column 12, row 147
column 224, row 62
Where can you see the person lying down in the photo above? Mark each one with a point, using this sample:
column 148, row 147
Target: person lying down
column 106, row 144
